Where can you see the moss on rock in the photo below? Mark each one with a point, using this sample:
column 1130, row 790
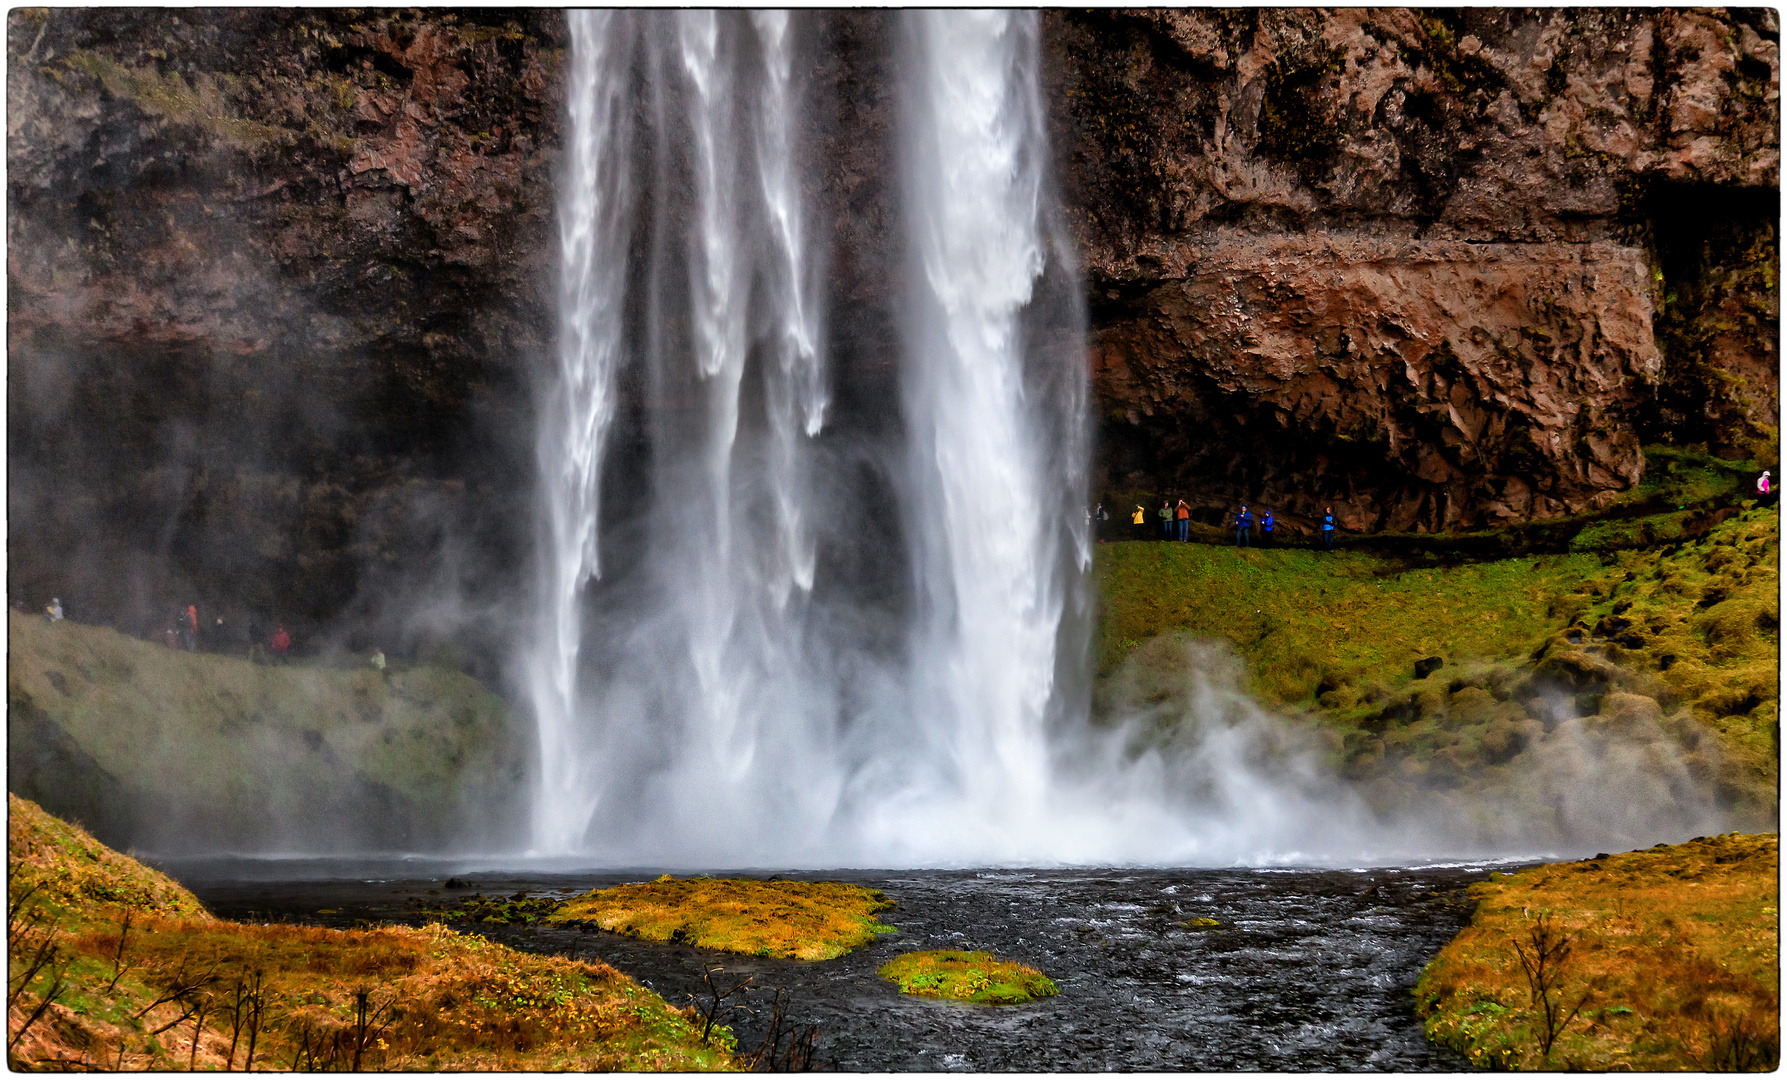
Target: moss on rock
column 977, row 977
column 801, row 920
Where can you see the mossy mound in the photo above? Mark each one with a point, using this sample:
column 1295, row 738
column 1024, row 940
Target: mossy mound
column 71, row 874
column 977, row 977
column 159, row 994
column 1704, row 619
column 801, row 920
column 1672, row 649
column 1673, row 951
column 170, row 751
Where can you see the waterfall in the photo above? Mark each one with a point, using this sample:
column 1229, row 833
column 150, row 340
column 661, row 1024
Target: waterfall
column 743, row 678
column 720, row 676
column 593, row 213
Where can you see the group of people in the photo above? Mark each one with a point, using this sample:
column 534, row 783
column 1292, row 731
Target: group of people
column 1175, row 524
column 184, row 631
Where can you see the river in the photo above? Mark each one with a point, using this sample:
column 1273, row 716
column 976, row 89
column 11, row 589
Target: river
column 1308, row 969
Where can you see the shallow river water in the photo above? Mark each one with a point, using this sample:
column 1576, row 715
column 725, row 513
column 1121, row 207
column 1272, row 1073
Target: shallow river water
column 1308, row 969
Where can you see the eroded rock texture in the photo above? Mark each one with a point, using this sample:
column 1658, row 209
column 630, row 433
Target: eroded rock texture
column 275, row 278
column 1435, row 269
column 281, row 281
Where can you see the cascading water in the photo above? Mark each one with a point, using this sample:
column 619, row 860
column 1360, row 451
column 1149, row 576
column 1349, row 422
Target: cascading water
column 592, row 237
column 720, row 688
column 741, row 679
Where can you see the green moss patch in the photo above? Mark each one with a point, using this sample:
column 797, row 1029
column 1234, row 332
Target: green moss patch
column 801, row 920
column 1675, row 645
column 976, row 977
column 115, row 730
column 1669, row 960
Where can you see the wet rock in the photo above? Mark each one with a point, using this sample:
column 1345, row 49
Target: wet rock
column 1326, row 248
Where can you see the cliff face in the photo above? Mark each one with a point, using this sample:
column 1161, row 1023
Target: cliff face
column 280, row 282
column 1434, row 269
column 275, row 279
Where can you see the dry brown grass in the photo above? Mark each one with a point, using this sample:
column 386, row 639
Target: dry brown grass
column 800, row 920
column 180, row 989
column 1674, row 953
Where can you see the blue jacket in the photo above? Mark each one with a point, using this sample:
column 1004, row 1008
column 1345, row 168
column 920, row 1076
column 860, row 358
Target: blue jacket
column 1327, row 522
column 1244, row 520
column 1266, row 522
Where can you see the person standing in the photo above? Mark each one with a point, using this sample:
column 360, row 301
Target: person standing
column 192, row 628
column 1184, row 513
column 282, row 644
column 1100, row 520
column 1166, row 520
column 1139, row 520
column 54, row 610
column 1328, row 528
column 1266, row 527
column 1243, row 527
column 1765, row 493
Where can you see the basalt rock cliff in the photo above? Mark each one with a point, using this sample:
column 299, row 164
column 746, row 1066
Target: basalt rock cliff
column 277, row 283
column 281, row 282
column 1437, row 269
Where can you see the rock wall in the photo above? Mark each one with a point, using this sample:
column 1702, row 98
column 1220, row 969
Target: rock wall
column 281, row 281
column 275, row 281
column 1435, row 269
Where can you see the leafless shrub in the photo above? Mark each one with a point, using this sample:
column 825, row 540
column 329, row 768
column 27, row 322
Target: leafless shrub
column 716, row 1006
column 787, row 1046
column 1742, row 1044
column 1542, row 956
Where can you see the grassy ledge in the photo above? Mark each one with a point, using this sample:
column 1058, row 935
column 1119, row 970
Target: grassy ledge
column 799, row 920
column 134, row 974
column 1661, row 959
column 975, row 977
column 167, row 750
column 1685, row 635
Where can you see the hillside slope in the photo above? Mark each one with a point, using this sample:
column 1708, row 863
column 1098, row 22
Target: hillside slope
column 1667, row 655
column 174, row 752
column 115, row 966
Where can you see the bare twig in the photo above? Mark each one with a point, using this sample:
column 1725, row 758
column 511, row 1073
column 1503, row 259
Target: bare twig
column 717, row 997
column 17, row 903
column 45, row 954
column 771, row 1055
column 367, row 1022
column 1542, row 957
column 197, row 1026
column 118, row 966
column 235, row 1025
column 55, row 991
column 256, row 999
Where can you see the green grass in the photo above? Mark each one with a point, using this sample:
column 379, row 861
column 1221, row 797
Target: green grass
column 1668, row 643
column 1304, row 618
column 1704, row 619
column 975, row 977
column 226, row 739
column 71, row 875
